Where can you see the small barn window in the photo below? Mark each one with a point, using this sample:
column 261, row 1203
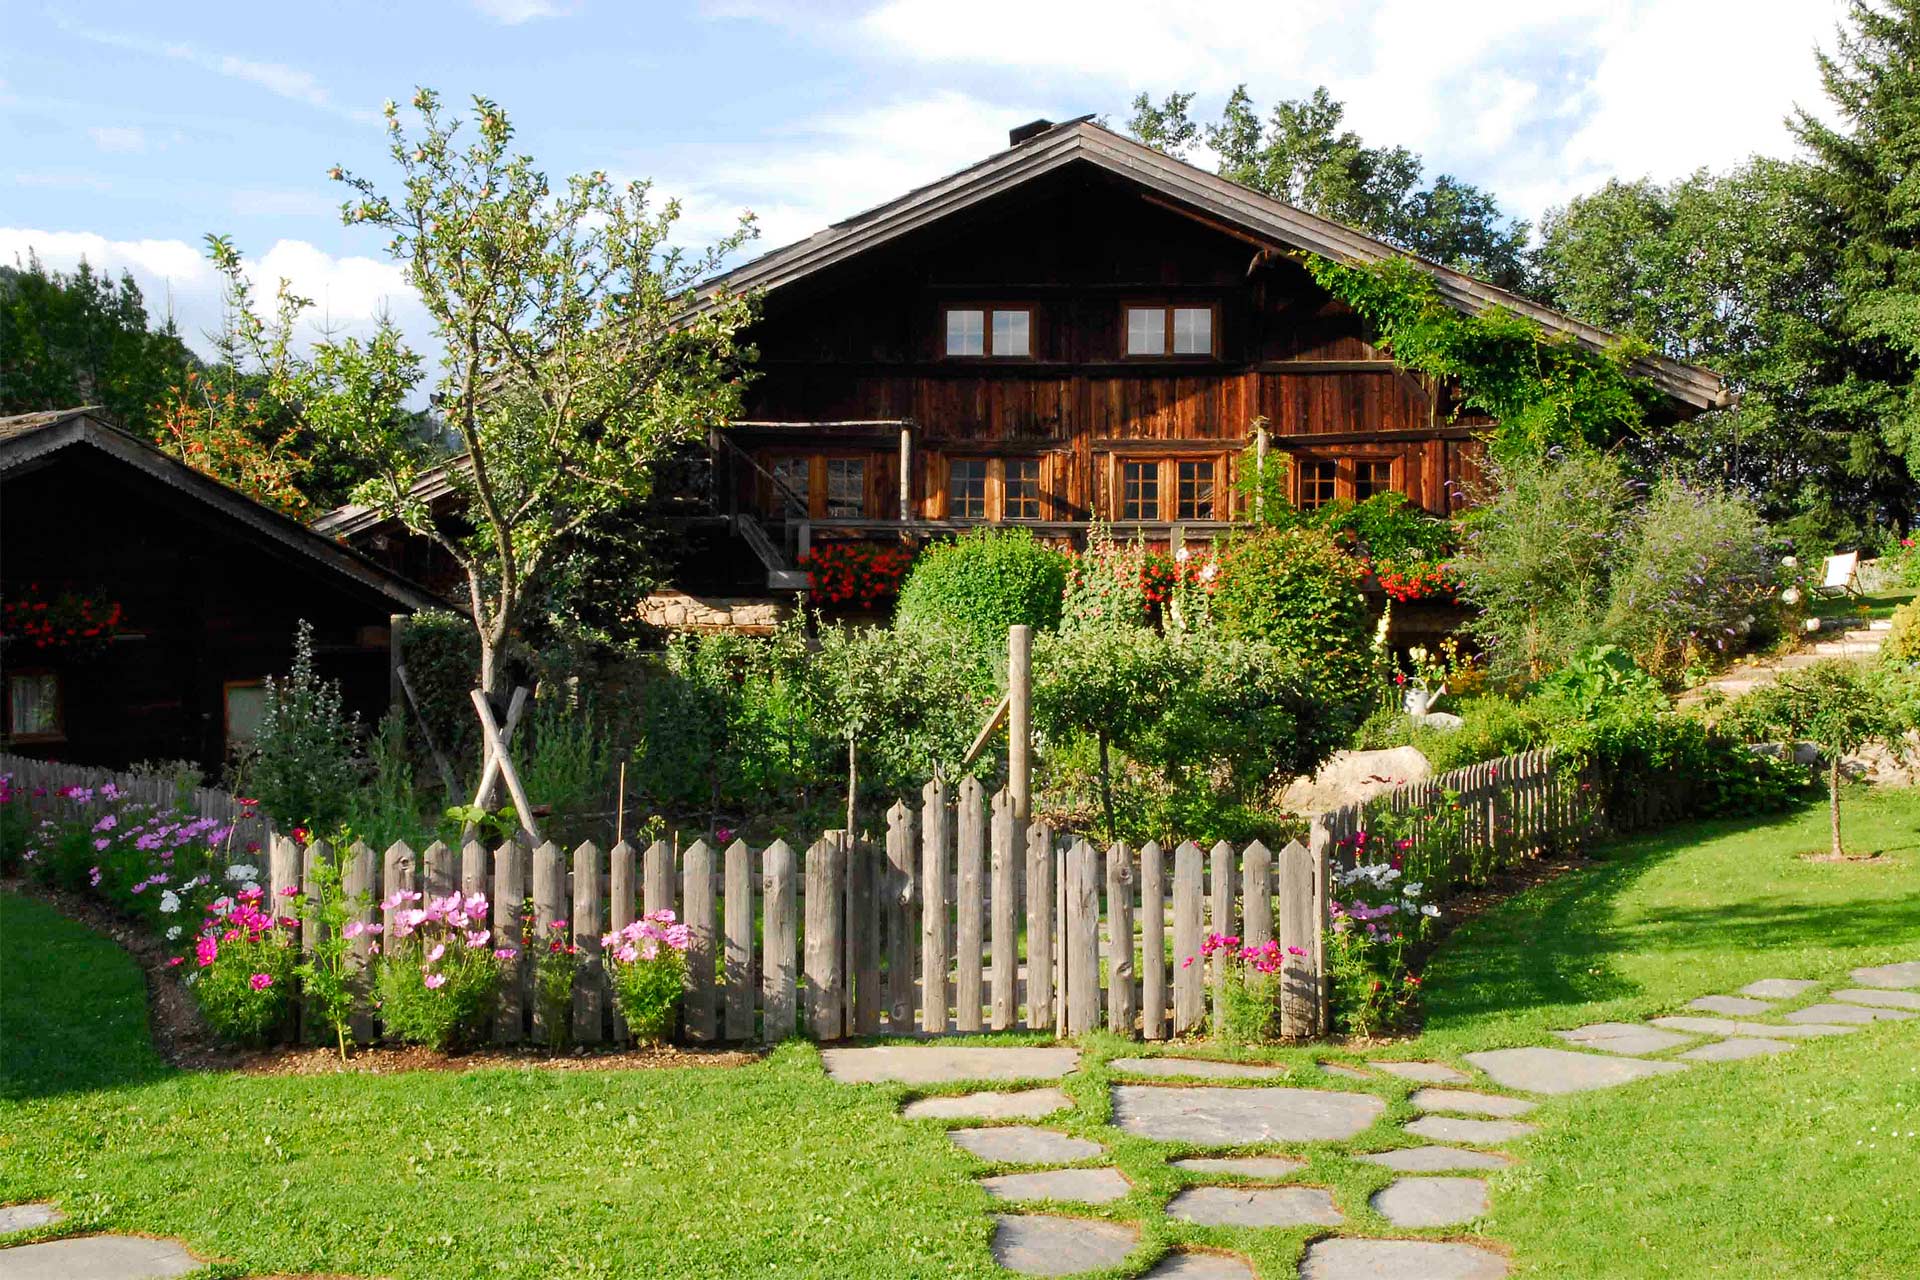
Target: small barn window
column 246, row 705
column 1140, row 491
column 1317, row 480
column 1012, row 333
column 967, row 489
column 966, row 332
column 846, row 488
column 34, row 711
column 1000, row 333
column 1194, row 501
column 1168, row 330
column 1146, row 331
column 1022, row 489
column 790, row 484
column 1193, row 331
column 1372, row 476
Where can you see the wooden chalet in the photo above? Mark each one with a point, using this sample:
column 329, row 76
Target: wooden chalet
column 192, row 594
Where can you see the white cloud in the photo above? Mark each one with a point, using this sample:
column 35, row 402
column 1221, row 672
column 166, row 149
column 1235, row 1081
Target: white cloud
column 118, row 138
column 514, row 12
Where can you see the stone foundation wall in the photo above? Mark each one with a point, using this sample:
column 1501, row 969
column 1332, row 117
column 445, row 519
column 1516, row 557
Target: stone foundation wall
column 678, row 611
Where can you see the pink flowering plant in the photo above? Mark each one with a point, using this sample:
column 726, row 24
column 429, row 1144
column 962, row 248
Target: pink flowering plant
column 439, row 972
column 1250, row 996
column 1378, row 917
column 242, row 967
column 647, row 963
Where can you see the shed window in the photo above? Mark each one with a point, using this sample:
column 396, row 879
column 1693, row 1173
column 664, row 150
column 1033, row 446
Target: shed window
column 790, row 488
column 1195, row 498
column 1372, row 476
column 1140, row 491
column 246, row 705
column 1002, row 333
column 1193, row 331
column 1022, row 489
column 1161, row 331
column 1317, row 480
column 967, row 489
column 33, row 706
column 1012, row 333
column 966, row 332
column 846, row 488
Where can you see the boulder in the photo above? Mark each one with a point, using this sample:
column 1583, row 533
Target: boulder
column 1443, row 720
column 1353, row 776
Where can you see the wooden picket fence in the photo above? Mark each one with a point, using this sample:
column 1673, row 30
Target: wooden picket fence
column 40, row 781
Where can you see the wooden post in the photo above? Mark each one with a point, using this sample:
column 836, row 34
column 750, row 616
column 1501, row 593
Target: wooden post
column 1020, row 719
column 357, row 882
column 1005, row 940
column 549, row 904
column 697, row 899
column 863, row 937
column 739, row 929
column 906, row 472
column 1261, row 443
column 1040, row 927
column 1153, row 942
column 657, row 891
column 1189, row 973
column 970, row 892
column 778, row 972
column 899, row 896
column 490, row 771
column 509, row 890
column 935, row 869
column 588, row 923
column 440, row 870
column 497, row 748
column 1083, row 940
column 1256, row 893
column 396, row 663
column 1222, row 923
column 1120, row 967
column 826, row 996
column 1299, row 975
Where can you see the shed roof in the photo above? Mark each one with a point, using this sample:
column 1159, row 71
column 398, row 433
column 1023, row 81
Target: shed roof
column 30, row 438
column 1256, row 214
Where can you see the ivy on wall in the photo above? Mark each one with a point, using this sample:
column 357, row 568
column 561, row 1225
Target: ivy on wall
column 1542, row 390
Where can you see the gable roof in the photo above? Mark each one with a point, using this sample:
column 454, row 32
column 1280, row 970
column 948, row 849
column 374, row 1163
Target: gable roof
column 1254, row 213
column 31, row 437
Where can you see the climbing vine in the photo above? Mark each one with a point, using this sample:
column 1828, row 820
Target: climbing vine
column 1542, row 390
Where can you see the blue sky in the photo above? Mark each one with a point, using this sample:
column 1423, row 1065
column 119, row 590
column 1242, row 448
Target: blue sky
column 134, row 129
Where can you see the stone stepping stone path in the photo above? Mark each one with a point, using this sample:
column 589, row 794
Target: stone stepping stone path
column 1778, row 988
column 1736, row 1049
column 1470, row 1103
column 1424, row 1072
column 1243, row 1166
column 1730, row 1004
column 1087, row 1186
column 944, row 1064
column 98, row 1258
column 1025, row 1144
column 24, row 1217
column 1200, row 1266
column 1905, row 974
column 1256, row 1207
column 1763, row 1030
column 1432, row 1202
column 1042, row 1245
column 1197, row 1068
column 1628, row 1038
column 1436, row 1159
column 1345, row 1073
column 1400, row 1260
column 1563, row 1071
column 1835, row 1014
column 1485, row 1133
column 1884, row 999
column 1211, row 1116
column 1023, row 1104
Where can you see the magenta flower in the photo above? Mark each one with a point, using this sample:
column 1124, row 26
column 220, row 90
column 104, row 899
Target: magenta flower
column 260, row 981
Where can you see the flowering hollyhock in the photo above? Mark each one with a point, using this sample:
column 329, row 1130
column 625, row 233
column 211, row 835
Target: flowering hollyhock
column 647, row 963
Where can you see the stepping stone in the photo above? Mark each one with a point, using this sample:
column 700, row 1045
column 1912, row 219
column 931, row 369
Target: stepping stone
column 1730, row 1004
column 1905, row 974
column 1735, row 1049
column 1834, row 1014
column 1436, row 1159
column 1245, row 1166
column 1220, row 1117
column 1432, row 1202
column 21, row 1217
column 1040, row 1245
column 1200, row 1266
column 1763, row 1030
column 1425, row 1072
column 1563, row 1071
column 942, row 1064
column 1345, row 1073
column 1255, row 1207
column 98, row 1258
column 1024, row 1104
column 1778, row 988
column 1884, row 999
column 1024, row 1144
column 1484, row 1133
column 1199, row 1068
column 1623, row 1037
column 1088, row 1186
column 1469, row 1102
column 1400, row 1260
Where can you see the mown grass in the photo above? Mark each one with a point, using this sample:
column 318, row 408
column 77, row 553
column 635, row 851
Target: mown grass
column 1779, row 1166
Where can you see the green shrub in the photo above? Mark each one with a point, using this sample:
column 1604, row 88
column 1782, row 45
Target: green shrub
column 1294, row 590
column 567, row 763
column 983, row 583
column 442, row 656
column 301, row 764
column 451, row 1013
column 1491, row 727
column 1903, row 641
column 1386, row 527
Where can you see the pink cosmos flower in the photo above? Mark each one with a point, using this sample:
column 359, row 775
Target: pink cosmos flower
column 478, row 938
column 260, row 981
column 93, row 877
column 434, row 981
column 505, row 953
column 206, row 949
column 100, row 845
column 439, row 949
column 176, row 960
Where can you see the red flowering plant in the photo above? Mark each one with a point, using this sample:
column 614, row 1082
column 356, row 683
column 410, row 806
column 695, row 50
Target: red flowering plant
column 71, row 622
column 556, row 967
column 855, row 574
column 1411, row 579
column 244, row 959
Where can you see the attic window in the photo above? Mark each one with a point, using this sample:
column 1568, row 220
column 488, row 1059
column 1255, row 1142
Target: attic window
column 1000, row 333
column 1168, row 330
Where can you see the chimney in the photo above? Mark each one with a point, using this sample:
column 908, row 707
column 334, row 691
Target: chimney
column 1031, row 129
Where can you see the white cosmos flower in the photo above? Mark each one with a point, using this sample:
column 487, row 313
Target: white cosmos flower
column 241, row 871
column 169, row 902
column 173, row 934
column 1429, row 910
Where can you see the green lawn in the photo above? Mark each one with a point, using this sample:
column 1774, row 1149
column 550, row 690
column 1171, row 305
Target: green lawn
column 1864, row 607
column 1731, row 1170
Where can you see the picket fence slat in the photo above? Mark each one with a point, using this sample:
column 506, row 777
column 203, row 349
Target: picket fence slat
column 588, row 923
column 738, row 922
column 935, row 868
column 1083, row 939
column 1153, row 942
column 1189, row 977
column 1220, row 921
column 970, row 826
column 778, row 972
column 899, row 898
column 1005, row 937
column 357, row 883
column 657, row 894
column 863, row 935
column 509, row 891
column 697, row 909
column 1040, row 927
column 549, row 904
column 1300, row 986
column 313, row 1028
column 1120, row 968
column 821, row 940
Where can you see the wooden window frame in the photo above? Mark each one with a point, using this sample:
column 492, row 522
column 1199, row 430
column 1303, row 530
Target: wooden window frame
column 226, row 705
column 994, row 495
column 1345, row 476
column 59, row 733
column 1300, row 464
column 1213, row 482
column 986, row 488
column 826, row 489
column 1158, row 469
column 817, row 459
column 1168, row 482
column 1352, row 466
column 987, row 311
column 1039, row 488
column 1167, row 308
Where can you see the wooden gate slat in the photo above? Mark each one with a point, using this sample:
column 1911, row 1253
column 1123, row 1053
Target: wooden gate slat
column 1153, row 942
column 826, row 994
column 970, row 826
column 1189, row 974
column 588, row 923
column 697, row 903
column 1005, row 939
column 900, row 897
column 1083, row 940
column 778, row 971
column 935, row 870
column 739, row 953
column 509, row 891
column 1120, row 966
column 1040, row 927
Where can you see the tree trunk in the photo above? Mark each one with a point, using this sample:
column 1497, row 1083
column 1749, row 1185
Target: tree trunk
column 1106, row 786
column 1833, row 800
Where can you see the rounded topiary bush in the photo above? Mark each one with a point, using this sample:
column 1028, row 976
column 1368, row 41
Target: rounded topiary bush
column 984, row 582
column 1295, row 590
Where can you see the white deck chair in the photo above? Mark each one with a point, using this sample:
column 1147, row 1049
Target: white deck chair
column 1838, row 575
